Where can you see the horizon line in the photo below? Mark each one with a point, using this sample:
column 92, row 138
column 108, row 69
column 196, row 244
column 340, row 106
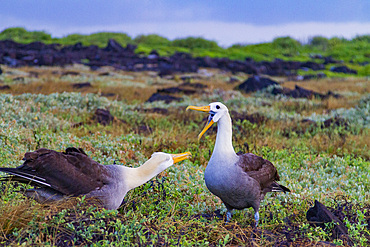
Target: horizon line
column 225, row 34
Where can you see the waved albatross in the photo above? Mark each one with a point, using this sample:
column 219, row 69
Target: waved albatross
column 240, row 181
column 56, row 175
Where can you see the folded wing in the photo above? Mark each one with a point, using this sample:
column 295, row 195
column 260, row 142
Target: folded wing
column 70, row 173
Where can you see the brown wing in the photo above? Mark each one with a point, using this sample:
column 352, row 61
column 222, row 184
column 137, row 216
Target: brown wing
column 71, row 172
column 258, row 168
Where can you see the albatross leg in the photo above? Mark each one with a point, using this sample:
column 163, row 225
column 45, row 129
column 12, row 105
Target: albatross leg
column 229, row 214
column 256, row 217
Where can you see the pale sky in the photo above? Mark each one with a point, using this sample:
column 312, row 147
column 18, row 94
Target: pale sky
column 227, row 22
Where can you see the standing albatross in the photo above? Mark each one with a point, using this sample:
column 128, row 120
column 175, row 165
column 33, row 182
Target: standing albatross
column 240, row 181
column 56, row 175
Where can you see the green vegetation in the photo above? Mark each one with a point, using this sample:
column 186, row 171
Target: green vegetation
column 329, row 164
column 21, row 35
column 100, row 39
column 354, row 51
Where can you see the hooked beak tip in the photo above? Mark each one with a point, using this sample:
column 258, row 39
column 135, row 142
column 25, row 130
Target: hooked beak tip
column 180, row 157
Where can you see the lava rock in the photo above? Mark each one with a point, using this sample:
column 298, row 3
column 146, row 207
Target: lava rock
column 114, row 46
column 103, row 116
column 163, row 97
column 4, row 87
column 81, row 85
column 313, row 65
column 335, row 122
column 255, row 83
column 329, row 59
column 176, row 90
column 70, row 73
column 343, row 69
column 298, row 92
column 318, row 215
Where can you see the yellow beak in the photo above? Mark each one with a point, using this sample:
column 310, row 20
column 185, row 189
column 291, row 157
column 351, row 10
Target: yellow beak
column 199, row 108
column 180, row 157
column 209, row 124
column 206, row 109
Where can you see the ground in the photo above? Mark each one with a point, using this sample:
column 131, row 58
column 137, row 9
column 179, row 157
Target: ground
column 319, row 146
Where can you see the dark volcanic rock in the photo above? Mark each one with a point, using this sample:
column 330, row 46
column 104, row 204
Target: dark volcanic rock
column 103, row 116
column 104, row 74
column 108, row 94
column 165, row 71
column 76, row 125
column 329, row 59
column 318, row 215
column 18, row 78
column 81, row 85
column 70, row 73
column 4, row 87
column 334, row 122
column 279, row 67
column 144, row 129
column 184, row 88
column 313, row 65
column 114, row 46
column 176, row 90
column 335, row 95
column 343, row 69
column 308, row 122
column 125, row 58
column 256, row 83
column 163, row 97
column 300, row 92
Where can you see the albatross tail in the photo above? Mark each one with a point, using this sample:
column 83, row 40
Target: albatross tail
column 15, row 175
column 275, row 187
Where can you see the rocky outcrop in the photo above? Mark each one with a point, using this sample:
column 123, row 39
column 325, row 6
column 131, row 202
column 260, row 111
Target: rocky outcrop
column 124, row 58
column 255, row 83
column 163, row 97
column 343, row 69
column 319, row 215
column 300, row 92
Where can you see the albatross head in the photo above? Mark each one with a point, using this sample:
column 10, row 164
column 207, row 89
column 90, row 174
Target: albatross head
column 216, row 111
column 134, row 177
column 170, row 159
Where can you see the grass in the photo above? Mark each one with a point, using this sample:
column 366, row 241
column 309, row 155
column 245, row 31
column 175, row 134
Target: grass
column 329, row 164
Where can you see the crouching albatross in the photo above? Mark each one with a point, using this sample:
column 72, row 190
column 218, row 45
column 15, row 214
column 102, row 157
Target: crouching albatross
column 56, row 175
column 240, row 181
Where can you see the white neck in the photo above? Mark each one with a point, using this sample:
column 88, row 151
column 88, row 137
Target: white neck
column 224, row 145
column 134, row 177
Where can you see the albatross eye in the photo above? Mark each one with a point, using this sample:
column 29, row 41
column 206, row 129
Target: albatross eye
column 218, row 107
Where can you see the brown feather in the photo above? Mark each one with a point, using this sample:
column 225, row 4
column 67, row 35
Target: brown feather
column 258, row 168
column 70, row 173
